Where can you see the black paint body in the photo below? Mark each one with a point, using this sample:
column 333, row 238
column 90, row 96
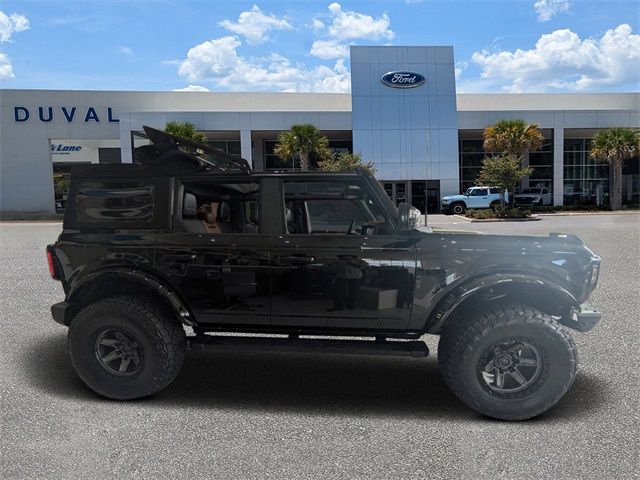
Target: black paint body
column 392, row 282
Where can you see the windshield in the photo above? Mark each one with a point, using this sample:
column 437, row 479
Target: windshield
column 530, row 190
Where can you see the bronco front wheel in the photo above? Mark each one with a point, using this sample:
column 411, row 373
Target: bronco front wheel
column 512, row 362
column 126, row 347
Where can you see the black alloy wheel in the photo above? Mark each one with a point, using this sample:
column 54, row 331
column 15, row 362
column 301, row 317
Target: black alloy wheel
column 510, row 366
column 118, row 352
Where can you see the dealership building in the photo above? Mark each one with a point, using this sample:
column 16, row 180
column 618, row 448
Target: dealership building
column 403, row 113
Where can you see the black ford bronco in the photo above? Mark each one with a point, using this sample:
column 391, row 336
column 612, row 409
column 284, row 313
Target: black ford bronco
column 187, row 248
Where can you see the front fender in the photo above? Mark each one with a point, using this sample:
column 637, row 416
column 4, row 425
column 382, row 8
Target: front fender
column 521, row 287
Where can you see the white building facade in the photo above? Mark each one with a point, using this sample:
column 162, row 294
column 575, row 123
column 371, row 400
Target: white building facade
column 403, row 114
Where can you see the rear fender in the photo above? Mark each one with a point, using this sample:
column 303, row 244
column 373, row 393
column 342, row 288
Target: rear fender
column 106, row 283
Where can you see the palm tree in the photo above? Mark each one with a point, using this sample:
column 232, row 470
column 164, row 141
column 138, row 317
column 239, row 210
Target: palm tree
column 304, row 142
column 344, row 162
column 615, row 145
column 185, row 130
column 513, row 137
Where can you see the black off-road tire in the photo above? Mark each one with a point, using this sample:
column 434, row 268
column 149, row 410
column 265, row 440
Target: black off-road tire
column 458, row 208
column 495, row 205
column 462, row 354
column 159, row 339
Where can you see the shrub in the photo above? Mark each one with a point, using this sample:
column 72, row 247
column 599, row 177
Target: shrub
column 499, row 213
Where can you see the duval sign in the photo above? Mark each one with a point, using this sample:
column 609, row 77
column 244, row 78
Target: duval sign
column 67, row 114
column 402, row 79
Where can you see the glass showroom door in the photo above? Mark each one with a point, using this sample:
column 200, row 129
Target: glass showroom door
column 397, row 191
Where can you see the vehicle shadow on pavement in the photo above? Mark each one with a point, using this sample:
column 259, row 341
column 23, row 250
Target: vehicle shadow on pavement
column 303, row 383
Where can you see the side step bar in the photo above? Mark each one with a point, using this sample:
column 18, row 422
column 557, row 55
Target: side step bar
column 412, row 348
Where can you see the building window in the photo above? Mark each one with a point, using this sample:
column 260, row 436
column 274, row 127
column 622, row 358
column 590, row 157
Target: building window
column 586, row 180
column 232, row 147
column 472, row 153
column 542, row 163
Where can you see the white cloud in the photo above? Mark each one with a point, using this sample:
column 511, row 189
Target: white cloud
column 348, row 26
column 192, row 88
column 6, row 70
column 10, row 24
column 211, row 59
column 316, row 25
column 460, row 66
column 254, row 25
column 329, row 49
column 547, row 9
column 353, row 25
column 562, row 61
column 218, row 61
column 126, row 51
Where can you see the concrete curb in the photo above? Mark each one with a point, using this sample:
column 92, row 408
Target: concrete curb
column 533, row 218
column 30, row 217
column 568, row 214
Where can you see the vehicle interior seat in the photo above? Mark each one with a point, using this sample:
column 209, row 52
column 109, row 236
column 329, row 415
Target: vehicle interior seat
column 190, row 220
column 252, row 225
column 224, row 218
column 288, row 220
column 301, row 217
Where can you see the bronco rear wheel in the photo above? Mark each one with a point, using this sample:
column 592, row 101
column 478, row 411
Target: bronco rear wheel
column 126, row 347
column 512, row 363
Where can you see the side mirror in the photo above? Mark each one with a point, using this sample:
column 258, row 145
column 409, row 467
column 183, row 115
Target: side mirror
column 409, row 217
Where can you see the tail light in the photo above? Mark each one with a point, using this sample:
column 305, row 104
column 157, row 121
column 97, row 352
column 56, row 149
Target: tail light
column 51, row 260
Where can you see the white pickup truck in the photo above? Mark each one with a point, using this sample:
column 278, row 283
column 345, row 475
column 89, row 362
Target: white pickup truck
column 474, row 197
column 533, row 196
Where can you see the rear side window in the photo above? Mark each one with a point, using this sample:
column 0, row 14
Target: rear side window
column 118, row 202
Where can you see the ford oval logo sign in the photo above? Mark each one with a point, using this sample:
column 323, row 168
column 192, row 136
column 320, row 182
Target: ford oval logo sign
column 402, row 79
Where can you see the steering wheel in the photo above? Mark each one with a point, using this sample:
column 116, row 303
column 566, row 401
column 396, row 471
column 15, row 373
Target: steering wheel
column 350, row 229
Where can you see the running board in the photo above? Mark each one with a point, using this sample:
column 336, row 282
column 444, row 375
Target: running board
column 311, row 345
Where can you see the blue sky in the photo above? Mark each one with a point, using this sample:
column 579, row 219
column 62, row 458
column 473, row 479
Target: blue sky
column 499, row 46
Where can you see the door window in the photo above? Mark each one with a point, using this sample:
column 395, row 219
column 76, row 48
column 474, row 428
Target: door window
column 336, row 207
column 217, row 208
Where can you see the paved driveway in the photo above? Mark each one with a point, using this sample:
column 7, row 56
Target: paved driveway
column 253, row 415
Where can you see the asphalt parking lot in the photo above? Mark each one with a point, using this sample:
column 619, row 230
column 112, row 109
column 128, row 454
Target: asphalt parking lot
column 252, row 415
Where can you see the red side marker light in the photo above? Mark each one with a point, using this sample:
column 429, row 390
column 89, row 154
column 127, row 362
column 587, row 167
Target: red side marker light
column 52, row 267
